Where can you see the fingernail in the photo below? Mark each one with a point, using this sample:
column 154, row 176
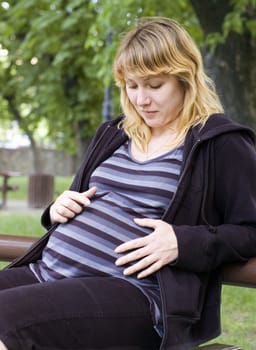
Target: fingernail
column 119, row 262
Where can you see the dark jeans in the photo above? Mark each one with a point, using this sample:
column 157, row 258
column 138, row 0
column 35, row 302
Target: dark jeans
column 75, row 314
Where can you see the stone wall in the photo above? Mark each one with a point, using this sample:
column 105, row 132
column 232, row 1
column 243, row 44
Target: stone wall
column 20, row 160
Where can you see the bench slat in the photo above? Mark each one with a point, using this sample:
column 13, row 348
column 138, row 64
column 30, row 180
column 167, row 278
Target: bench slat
column 12, row 246
column 243, row 275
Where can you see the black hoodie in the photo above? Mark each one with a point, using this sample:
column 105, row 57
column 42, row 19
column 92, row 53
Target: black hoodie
column 213, row 215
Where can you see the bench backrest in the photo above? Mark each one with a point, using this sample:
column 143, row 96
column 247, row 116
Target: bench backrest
column 243, row 275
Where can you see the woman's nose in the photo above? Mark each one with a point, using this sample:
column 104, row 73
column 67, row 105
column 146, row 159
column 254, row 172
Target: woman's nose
column 142, row 97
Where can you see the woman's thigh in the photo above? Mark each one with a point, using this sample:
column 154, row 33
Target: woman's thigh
column 14, row 277
column 78, row 314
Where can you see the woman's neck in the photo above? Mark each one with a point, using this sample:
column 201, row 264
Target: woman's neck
column 159, row 143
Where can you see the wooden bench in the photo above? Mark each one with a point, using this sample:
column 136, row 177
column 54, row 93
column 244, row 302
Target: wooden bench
column 12, row 246
column 242, row 275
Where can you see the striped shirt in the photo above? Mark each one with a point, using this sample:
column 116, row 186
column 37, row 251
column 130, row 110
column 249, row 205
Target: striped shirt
column 126, row 189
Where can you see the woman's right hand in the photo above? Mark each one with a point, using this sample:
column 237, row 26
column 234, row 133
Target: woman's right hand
column 69, row 204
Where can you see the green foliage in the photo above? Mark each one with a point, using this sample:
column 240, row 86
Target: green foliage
column 60, row 56
column 129, row 11
column 241, row 19
column 47, row 70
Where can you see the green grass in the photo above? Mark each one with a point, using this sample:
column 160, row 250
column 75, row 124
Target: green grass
column 238, row 317
column 61, row 183
column 21, row 225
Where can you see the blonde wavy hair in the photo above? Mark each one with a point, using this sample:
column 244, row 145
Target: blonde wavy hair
column 159, row 45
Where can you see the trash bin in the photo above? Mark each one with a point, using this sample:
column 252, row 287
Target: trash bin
column 40, row 190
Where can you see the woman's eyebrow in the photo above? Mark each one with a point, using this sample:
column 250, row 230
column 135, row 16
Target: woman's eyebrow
column 129, row 80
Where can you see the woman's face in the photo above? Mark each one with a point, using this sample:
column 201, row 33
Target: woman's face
column 158, row 99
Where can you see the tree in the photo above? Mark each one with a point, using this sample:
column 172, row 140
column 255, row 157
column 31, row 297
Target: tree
column 60, row 56
column 47, row 74
column 59, row 62
column 230, row 31
column 225, row 32
column 129, row 11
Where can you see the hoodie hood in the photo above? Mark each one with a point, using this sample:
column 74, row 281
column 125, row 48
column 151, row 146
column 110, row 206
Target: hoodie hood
column 216, row 125
column 219, row 124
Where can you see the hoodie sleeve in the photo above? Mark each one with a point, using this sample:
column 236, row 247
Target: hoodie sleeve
column 232, row 236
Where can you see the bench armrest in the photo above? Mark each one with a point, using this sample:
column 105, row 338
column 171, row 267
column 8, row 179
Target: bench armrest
column 243, row 275
column 12, row 246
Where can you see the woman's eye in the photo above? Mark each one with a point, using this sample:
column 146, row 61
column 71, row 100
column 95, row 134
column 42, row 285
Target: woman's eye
column 131, row 86
column 155, row 86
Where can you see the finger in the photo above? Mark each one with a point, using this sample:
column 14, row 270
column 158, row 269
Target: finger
column 90, row 193
column 150, row 270
column 133, row 256
column 130, row 245
column 71, row 198
column 59, row 219
column 146, row 222
column 83, row 198
column 68, row 212
column 80, row 198
column 60, row 214
column 140, row 265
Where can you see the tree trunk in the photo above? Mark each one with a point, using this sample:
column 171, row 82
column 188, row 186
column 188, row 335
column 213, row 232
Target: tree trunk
column 232, row 65
column 36, row 156
column 82, row 142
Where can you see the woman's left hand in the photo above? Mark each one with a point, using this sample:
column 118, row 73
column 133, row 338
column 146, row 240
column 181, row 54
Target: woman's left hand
column 151, row 252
